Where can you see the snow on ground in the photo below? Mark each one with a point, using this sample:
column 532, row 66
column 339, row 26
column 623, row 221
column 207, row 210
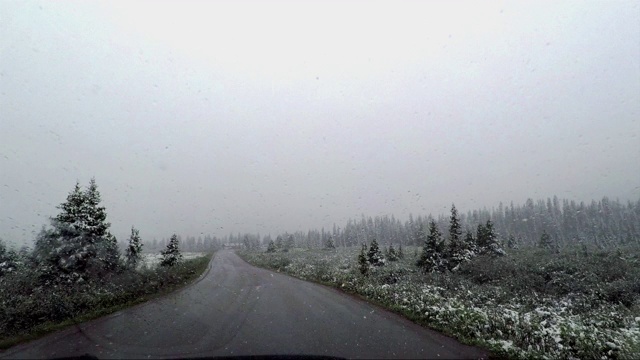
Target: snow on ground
column 152, row 260
column 529, row 325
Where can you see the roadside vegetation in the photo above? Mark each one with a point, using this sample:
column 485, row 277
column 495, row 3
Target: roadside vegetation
column 534, row 300
column 76, row 272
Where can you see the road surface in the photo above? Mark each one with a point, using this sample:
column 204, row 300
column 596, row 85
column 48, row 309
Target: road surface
column 236, row 309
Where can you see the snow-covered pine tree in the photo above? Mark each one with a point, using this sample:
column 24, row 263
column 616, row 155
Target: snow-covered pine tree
column 545, row 241
column 72, row 212
column 482, row 238
column 470, row 242
column 271, row 247
column 289, row 243
column 375, row 256
column 79, row 244
column 171, row 255
column 493, row 245
column 134, row 249
column 330, row 244
column 95, row 216
column 97, row 230
column 392, row 255
column 8, row 259
column 363, row 263
column 400, row 252
column 511, row 242
column 67, row 248
column 459, row 251
column 431, row 258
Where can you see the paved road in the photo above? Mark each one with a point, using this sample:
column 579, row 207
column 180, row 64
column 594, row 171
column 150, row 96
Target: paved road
column 239, row 310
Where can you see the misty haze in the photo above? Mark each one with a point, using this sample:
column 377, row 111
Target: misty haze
column 470, row 168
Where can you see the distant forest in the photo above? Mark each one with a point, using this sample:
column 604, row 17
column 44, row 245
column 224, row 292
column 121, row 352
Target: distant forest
column 600, row 224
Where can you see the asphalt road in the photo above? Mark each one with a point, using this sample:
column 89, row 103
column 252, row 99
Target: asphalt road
column 236, row 309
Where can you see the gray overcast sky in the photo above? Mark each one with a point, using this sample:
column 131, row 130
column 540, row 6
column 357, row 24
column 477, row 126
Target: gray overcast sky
column 199, row 117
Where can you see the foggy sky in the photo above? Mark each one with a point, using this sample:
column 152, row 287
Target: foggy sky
column 249, row 117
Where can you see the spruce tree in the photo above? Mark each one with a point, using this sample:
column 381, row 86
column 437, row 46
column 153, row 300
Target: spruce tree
column 423, row 261
column 97, row 230
column 289, row 243
column 363, row 263
column 400, row 252
column 8, row 260
column 95, row 216
column 431, row 258
column 134, row 249
column 375, row 256
column 545, row 241
column 482, row 238
column 488, row 241
column 330, row 244
column 72, row 213
column 493, row 246
column 454, row 225
column 70, row 249
column 171, row 255
column 392, row 255
column 79, row 244
column 271, row 247
column 459, row 251
column 470, row 242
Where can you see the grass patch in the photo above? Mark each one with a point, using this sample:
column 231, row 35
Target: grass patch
column 29, row 312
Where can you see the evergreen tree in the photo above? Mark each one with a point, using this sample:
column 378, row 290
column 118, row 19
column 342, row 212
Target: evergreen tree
column 134, row 249
column 8, row 259
column 79, row 244
column 330, row 244
column 363, row 263
column 68, row 247
column 470, row 242
column 108, row 253
column 392, row 255
column 47, row 254
column 545, row 241
column 289, row 243
column 454, row 225
column 431, row 258
column 482, row 238
column 271, row 248
column 97, row 229
column 492, row 246
column 375, row 256
column 73, row 212
column 400, row 252
column 95, row 216
column 487, row 240
column 459, row 251
column 279, row 242
column 171, row 255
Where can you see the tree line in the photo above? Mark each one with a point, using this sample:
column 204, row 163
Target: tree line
column 439, row 253
column 550, row 223
column 78, row 246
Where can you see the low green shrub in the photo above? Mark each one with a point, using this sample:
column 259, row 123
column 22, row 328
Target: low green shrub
column 25, row 307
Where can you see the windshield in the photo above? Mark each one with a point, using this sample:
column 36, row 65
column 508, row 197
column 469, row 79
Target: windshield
column 158, row 153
